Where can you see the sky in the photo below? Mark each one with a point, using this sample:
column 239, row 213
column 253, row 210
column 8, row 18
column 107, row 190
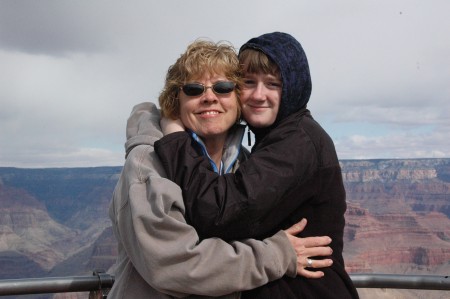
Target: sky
column 71, row 71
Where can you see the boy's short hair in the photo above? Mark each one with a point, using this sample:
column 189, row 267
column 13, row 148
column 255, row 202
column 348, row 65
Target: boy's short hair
column 254, row 61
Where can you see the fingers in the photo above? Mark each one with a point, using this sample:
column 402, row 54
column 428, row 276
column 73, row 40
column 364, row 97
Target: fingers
column 316, row 241
column 304, row 248
column 309, row 274
column 316, row 264
column 317, row 251
column 304, row 269
column 297, row 228
column 309, row 241
column 309, row 247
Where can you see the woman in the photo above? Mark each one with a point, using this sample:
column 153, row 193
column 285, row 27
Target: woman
column 159, row 254
column 293, row 171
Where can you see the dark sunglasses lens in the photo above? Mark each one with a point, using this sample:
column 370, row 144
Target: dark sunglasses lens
column 193, row 89
column 223, row 87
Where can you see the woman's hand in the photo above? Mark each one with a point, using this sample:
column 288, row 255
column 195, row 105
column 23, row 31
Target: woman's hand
column 171, row 125
column 307, row 248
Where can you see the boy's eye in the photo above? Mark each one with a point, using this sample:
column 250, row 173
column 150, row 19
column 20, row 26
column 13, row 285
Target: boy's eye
column 274, row 85
column 249, row 82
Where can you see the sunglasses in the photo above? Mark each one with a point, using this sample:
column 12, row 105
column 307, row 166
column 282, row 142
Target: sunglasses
column 196, row 89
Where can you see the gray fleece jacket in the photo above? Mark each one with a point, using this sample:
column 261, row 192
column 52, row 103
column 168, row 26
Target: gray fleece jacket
column 159, row 254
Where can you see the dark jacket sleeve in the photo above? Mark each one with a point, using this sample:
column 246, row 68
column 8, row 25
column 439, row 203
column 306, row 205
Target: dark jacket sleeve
column 233, row 206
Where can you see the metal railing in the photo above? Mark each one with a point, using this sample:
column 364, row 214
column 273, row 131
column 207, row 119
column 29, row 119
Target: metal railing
column 98, row 285
column 100, row 282
column 394, row 281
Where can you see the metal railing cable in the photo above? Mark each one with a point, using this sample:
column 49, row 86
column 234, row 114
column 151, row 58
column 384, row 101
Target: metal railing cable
column 102, row 282
column 394, row 281
column 99, row 281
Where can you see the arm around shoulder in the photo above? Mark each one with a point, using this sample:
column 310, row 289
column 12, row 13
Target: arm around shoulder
column 167, row 253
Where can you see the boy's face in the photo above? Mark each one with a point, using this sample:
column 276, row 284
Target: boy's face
column 260, row 97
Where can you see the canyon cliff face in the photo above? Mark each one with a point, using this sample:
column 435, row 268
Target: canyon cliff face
column 397, row 216
column 51, row 219
column 28, row 236
column 54, row 222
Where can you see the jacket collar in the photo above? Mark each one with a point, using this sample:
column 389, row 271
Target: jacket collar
column 231, row 149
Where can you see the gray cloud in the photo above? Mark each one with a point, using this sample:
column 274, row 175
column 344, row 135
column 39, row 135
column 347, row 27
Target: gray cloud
column 54, row 27
column 72, row 70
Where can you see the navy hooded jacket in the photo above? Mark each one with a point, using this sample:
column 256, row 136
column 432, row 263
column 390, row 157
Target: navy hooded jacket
column 291, row 59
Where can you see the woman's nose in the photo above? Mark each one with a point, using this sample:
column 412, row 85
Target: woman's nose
column 209, row 95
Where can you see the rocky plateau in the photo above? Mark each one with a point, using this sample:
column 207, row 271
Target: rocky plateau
column 54, row 221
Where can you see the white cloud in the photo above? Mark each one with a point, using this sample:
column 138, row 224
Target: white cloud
column 72, row 70
column 399, row 145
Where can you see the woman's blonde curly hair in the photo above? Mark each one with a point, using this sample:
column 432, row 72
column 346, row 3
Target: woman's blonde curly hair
column 202, row 56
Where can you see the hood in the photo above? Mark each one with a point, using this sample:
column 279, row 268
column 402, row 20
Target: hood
column 288, row 54
column 143, row 126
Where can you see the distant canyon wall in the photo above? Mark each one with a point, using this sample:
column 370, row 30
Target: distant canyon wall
column 54, row 222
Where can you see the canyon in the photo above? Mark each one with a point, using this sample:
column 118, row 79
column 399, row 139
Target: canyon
column 54, row 221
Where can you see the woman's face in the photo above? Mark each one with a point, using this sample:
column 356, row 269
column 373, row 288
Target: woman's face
column 260, row 97
column 209, row 114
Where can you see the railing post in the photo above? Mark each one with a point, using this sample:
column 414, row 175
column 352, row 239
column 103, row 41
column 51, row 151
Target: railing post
column 105, row 281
